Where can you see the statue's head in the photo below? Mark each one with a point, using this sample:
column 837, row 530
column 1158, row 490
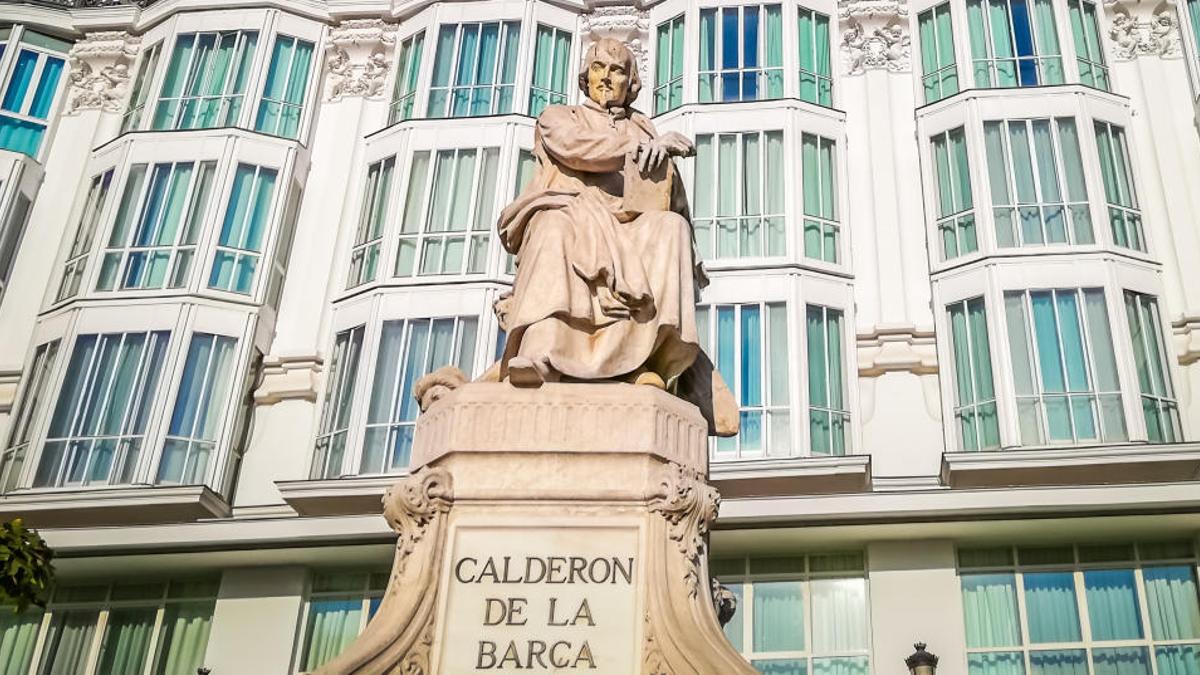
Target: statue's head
column 609, row 75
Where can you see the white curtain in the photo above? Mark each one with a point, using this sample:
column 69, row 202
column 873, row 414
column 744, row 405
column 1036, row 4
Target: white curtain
column 184, row 637
column 839, row 616
column 332, row 626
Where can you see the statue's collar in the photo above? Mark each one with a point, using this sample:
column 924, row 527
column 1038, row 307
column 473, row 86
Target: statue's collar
column 615, row 112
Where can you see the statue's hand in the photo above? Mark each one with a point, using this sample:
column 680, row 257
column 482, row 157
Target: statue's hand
column 651, row 153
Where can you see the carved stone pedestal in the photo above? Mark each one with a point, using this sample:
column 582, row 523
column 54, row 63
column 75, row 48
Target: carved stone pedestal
column 557, row 529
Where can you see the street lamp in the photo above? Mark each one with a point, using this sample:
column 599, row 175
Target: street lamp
column 921, row 662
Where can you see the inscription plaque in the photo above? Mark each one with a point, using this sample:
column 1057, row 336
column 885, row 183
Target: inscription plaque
column 548, row 599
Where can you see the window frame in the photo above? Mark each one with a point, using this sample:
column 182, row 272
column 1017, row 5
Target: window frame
column 14, row 44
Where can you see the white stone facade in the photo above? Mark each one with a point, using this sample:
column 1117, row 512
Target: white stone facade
column 318, row 225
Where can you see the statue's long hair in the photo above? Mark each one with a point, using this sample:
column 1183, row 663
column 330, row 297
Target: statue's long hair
column 631, row 67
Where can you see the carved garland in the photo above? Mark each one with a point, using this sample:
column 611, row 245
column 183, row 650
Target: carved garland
column 99, row 73
column 410, row 505
column 689, row 505
column 1138, row 30
column 875, row 36
column 359, row 58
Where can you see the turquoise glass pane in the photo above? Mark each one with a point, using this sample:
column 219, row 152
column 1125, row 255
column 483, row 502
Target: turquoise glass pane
column 43, row 97
column 778, row 616
column 780, row 666
column 751, row 348
column 1171, row 602
column 20, row 135
column 1121, row 661
column 1050, row 606
column 990, row 610
column 996, row 663
column 1178, row 660
column 1058, row 662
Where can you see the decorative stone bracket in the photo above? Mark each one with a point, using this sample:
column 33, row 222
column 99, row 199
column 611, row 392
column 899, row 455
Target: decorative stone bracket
column 625, row 23
column 99, row 76
column 358, row 59
column 875, row 36
column 1143, row 28
column 287, row 378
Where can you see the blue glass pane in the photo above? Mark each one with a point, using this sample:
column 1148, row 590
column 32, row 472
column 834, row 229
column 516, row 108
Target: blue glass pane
column 750, row 37
column 751, row 348
column 1051, row 608
column 44, row 96
column 729, row 38
column 18, row 84
column 996, row 663
column 1023, row 37
column 1059, row 662
column 726, row 361
column 1112, row 604
column 1121, row 661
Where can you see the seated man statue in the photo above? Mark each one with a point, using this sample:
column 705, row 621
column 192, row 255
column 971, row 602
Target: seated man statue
column 607, row 279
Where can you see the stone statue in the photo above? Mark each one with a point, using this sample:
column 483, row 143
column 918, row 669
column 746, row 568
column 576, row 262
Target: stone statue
column 607, row 275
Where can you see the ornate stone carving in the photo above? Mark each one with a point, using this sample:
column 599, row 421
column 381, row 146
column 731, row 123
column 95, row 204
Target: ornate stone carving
column 689, row 505
column 1138, row 29
column 433, row 387
column 626, row 23
column 358, row 58
column 99, row 75
column 874, row 35
column 399, row 638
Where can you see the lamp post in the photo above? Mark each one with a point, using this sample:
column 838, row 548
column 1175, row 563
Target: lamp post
column 921, row 662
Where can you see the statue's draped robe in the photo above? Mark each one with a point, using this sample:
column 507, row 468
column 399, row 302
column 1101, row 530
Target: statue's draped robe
column 572, row 237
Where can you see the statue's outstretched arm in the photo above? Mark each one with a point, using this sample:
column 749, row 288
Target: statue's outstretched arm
column 575, row 145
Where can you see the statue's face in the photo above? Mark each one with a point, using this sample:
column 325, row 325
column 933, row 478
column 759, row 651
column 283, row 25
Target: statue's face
column 608, row 79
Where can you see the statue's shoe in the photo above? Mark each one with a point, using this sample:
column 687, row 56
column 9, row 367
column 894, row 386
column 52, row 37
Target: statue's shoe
column 524, row 372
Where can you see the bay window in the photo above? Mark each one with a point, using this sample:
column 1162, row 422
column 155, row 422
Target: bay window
column 1151, row 355
column 1014, row 43
column 85, row 232
column 828, row 412
column 408, row 350
column 1035, row 171
column 154, row 239
column 939, row 71
column 474, row 69
column 339, row 606
column 31, row 89
column 132, row 118
column 1123, row 215
column 800, row 614
column 741, row 53
column 204, row 393
column 1048, row 610
column 404, row 92
column 975, row 403
column 205, row 82
column 739, row 193
column 123, row 627
column 955, row 205
column 821, row 229
column 37, row 384
column 668, row 70
column 98, row 428
column 282, row 103
column 1064, row 367
column 551, row 67
column 1089, row 52
column 751, row 353
column 449, row 212
column 816, row 75
column 368, row 239
column 243, row 230
column 334, row 425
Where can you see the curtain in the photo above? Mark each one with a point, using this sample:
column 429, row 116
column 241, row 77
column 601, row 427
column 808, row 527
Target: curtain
column 962, row 171
column 1072, row 161
column 1121, row 661
column 990, row 610
column 269, row 110
column 708, row 48
column 839, row 617
column 21, row 135
column 1059, row 662
column 68, row 642
column 726, row 361
column 1104, row 364
column 183, row 637
column 47, row 87
column 1051, row 191
column 174, row 80
column 18, row 636
column 1050, row 607
column 779, row 421
column 662, row 66
column 752, row 189
column 1177, row 660
column 200, row 404
column 927, row 33
column 946, row 58
column 126, row 640
column 830, row 239
column 1112, row 604
column 780, row 666
column 414, row 204
column 485, row 69
column 775, row 170
column 335, row 415
column 443, row 59
column 243, row 229
column 811, row 193
column 985, row 415
column 727, row 184
column 996, row 663
column 818, row 381
column 778, row 616
column 773, row 51
column 1171, row 601
column 508, row 66
column 833, row 338
column 385, row 397
column 977, row 28
column 751, row 372
column 963, row 376
column 703, row 175
column 852, row 665
column 823, row 66
column 332, row 626
column 1047, row 42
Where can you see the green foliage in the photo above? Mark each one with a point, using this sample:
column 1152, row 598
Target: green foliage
column 26, row 570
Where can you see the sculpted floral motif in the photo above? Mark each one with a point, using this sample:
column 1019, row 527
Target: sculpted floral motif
column 410, row 505
column 416, row 661
column 1153, row 33
column 689, row 506
column 653, row 661
column 99, row 74
column 359, row 58
column 885, row 47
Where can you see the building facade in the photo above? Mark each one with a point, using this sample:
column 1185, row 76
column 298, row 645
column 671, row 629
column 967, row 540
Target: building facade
column 954, row 261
